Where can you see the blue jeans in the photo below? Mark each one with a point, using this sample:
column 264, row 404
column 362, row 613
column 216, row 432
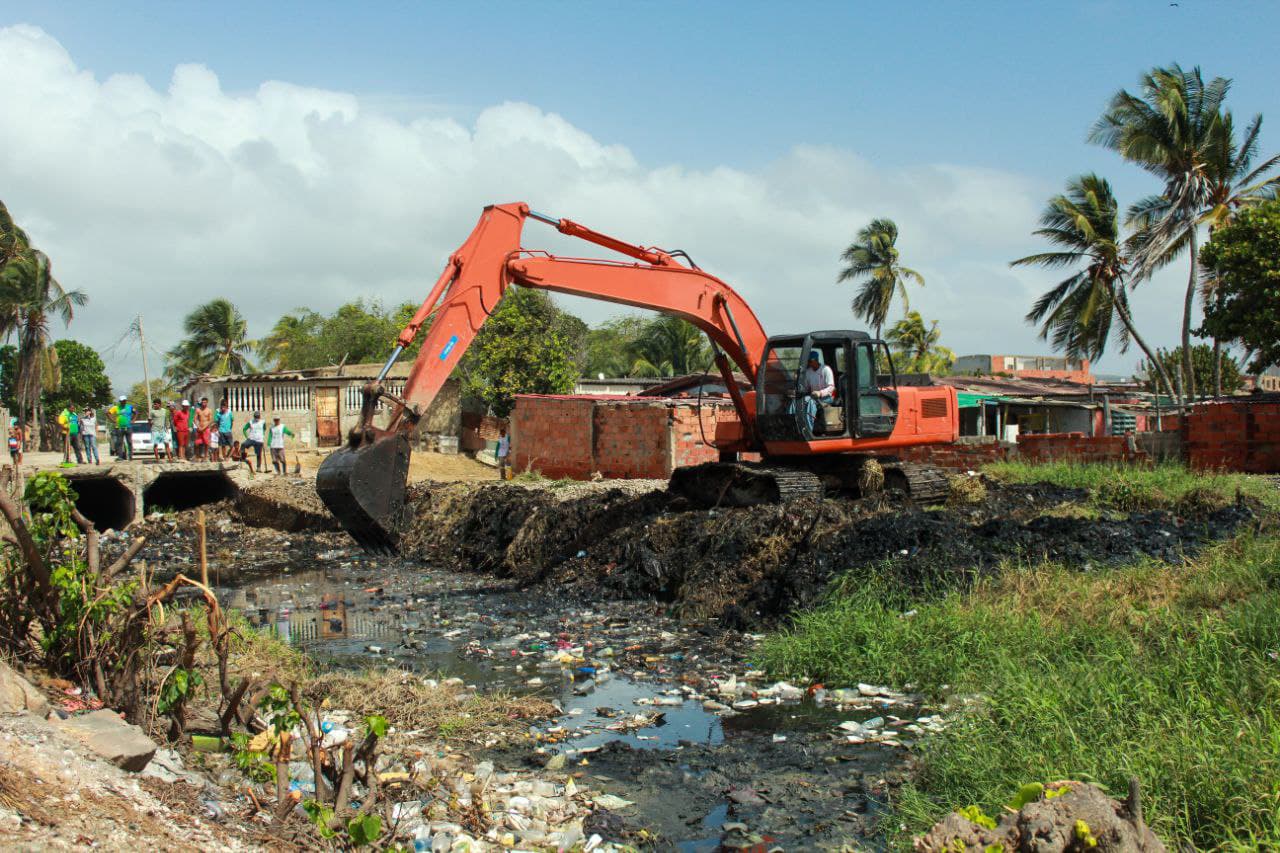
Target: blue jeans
column 811, row 408
column 91, row 448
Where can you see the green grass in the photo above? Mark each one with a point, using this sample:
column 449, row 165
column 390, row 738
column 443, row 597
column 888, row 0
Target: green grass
column 1129, row 487
column 1165, row 673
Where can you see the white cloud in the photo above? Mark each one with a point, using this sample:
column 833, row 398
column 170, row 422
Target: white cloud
column 154, row 201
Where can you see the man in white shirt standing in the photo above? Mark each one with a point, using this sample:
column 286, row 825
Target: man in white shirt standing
column 275, row 439
column 820, row 385
column 255, row 433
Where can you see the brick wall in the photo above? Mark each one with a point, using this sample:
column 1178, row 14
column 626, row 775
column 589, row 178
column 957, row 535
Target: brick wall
column 1078, row 447
column 627, row 439
column 633, row 440
column 1239, row 435
column 576, row 437
column 553, row 435
column 961, row 456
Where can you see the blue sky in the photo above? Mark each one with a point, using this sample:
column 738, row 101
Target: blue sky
column 1010, row 85
column 1006, row 87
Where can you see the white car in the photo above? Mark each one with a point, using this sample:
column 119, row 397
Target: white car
column 140, row 438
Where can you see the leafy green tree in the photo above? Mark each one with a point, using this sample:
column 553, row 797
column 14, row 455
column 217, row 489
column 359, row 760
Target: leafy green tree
column 355, row 333
column 29, row 296
column 873, row 264
column 217, row 341
column 918, row 346
column 609, row 348
column 1178, row 130
column 1202, row 362
column 1235, row 185
column 1244, row 256
column 1077, row 314
column 160, row 390
column 84, row 378
column 522, row 349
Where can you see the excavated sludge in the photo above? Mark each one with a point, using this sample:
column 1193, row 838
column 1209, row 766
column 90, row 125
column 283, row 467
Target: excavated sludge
column 752, row 565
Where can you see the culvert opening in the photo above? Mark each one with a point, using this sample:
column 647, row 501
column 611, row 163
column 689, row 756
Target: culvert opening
column 105, row 501
column 177, row 490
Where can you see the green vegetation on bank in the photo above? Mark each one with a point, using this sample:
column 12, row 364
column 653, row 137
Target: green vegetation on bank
column 1127, row 487
column 1167, row 673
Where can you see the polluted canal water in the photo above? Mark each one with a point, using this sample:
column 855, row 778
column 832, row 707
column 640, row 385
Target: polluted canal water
column 666, row 717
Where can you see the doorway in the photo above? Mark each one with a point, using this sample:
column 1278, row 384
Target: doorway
column 328, row 428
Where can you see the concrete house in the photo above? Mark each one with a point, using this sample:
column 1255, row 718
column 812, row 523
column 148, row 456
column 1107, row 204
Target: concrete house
column 322, row 404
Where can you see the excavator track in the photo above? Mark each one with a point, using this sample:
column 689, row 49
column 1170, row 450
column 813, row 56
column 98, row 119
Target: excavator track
column 715, row 484
column 922, row 483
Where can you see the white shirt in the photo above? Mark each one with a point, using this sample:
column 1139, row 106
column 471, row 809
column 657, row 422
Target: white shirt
column 256, row 430
column 822, row 380
column 504, row 445
column 277, row 436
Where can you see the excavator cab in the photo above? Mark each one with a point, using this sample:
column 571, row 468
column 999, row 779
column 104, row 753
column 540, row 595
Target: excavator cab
column 864, row 405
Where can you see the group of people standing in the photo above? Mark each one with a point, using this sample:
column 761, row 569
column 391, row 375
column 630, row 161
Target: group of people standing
column 205, row 435
column 179, row 431
column 79, row 434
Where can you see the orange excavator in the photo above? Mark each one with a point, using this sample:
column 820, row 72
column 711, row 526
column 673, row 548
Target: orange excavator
column 806, row 446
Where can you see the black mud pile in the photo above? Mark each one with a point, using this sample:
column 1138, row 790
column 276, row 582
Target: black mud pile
column 751, row 565
column 285, row 504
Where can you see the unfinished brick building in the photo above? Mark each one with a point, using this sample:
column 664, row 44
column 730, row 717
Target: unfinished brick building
column 578, row 436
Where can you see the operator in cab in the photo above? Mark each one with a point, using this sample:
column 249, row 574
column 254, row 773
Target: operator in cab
column 820, row 387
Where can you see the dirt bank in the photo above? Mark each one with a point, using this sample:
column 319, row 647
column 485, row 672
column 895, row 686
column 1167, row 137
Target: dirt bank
column 288, row 504
column 750, row 566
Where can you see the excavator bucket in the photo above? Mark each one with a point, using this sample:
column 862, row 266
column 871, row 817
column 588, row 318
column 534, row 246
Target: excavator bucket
column 364, row 488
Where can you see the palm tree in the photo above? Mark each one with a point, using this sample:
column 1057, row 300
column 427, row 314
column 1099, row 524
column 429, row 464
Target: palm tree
column 1170, row 130
column 29, row 296
column 919, row 343
column 285, row 337
column 873, row 264
column 217, row 342
column 669, row 346
column 13, row 240
column 1077, row 313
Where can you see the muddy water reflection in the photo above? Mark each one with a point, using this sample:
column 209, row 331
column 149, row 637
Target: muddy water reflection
column 353, row 612
column 605, row 663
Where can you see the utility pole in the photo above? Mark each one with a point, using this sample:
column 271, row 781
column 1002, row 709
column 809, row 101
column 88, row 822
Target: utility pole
column 146, row 377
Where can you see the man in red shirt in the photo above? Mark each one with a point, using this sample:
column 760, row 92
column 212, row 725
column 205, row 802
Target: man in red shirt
column 182, row 427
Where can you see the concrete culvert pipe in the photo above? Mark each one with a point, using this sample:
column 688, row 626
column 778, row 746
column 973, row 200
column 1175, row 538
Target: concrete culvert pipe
column 179, row 490
column 105, row 501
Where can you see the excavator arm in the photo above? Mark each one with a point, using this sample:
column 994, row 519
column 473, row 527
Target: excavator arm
column 363, row 483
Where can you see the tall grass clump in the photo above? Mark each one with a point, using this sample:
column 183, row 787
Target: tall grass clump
column 1166, row 673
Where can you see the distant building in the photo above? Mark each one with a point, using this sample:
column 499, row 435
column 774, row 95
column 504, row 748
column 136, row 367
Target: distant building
column 320, row 405
column 1026, row 367
column 1268, row 380
column 616, row 386
column 992, row 405
column 690, row 385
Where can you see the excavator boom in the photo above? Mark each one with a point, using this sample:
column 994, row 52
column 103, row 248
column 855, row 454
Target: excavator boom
column 363, row 483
